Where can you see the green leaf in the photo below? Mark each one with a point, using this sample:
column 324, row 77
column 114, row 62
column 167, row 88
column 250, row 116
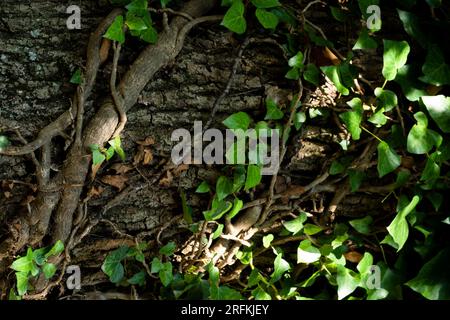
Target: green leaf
column 4, row 143
column 217, row 211
column 388, row 99
column 165, row 274
column 267, row 19
column 388, row 159
column 299, row 119
column 365, row 41
column 421, row 139
column 307, row 253
column 365, row 263
column 237, row 206
column 264, row 4
column 156, row 265
column 394, row 57
column 115, row 31
column 224, row 187
column 411, row 87
column 168, row 249
column 311, row 74
column 137, row 279
column 280, row 267
column 57, row 248
column 435, row 70
column 203, row 188
column 432, row 169
column 22, row 282
column 339, row 14
column 293, row 74
column 218, row 231
column 149, row 35
column 138, row 6
column 347, row 283
column 398, row 229
column 295, row 225
column 362, row 225
column 134, row 22
column 311, row 229
column 378, row 118
column 352, row 119
column 23, row 264
column 297, row 60
column 267, row 240
column 414, row 27
column 439, row 109
column 76, row 77
column 49, row 270
column 234, row 19
column 333, row 73
column 12, row 296
column 253, row 176
column 356, row 178
column 117, row 145
column 112, row 265
column 260, row 294
column 239, row 120
column 97, row 157
column 109, row 153
column 273, row 112
column 433, row 280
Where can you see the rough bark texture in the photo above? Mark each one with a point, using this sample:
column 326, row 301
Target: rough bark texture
column 38, row 54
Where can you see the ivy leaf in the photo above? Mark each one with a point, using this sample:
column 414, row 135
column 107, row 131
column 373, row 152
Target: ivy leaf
column 311, row 229
column 138, row 6
column 295, row 225
column 347, row 283
column 165, row 274
column 297, row 60
column 362, row 225
column 168, row 249
column 237, row 206
column 49, row 270
column 203, row 187
column 280, row 267
column 137, row 279
column 378, row 118
column 23, row 264
column 22, row 282
column 299, row 119
column 388, row 159
column 149, row 35
column 398, row 229
column 267, row 240
column 421, row 139
column 218, row 231
column 239, row 120
column 115, row 31
column 224, row 187
column 293, row 74
column 234, row 18
column 76, row 77
column 217, row 211
column 134, row 22
column 112, row 265
column 356, row 177
column 57, row 248
column 435, row 70
column 394, row 57
column 260, row 294
column 253, row 177
column 365, row 41
column 439, row 109
column 352, row 119
column 273, row 112
column 432, row 169
column 156, row 265
column 433, row 279
column 307, row 253
column 411, row 87
column 388, row 99
column 265, row 4
column 332, row 72
column 311, row 74
column 267, row 19
column 117, row 145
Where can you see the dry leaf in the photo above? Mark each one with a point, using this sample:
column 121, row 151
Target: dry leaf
column 95, row 170
column 180, row 169
column 149, row 141
column 167, row 180
column 121, row 168
column 117, row 181
column 353, row 256
column 7, row 194
column 148, row 156
column 104, row 50
column 95, row 192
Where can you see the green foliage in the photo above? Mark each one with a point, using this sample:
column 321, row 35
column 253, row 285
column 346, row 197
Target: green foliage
column 31, row 265
column 394, row 57
column 4, row 143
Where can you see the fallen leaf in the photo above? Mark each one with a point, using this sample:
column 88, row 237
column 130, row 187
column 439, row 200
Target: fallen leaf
column 353, row 256
column 121, row 168
column 7, row 194
column 95, row 170
column 95, row 192
column 149, row 141
column 117, row 181
column 167, row 180
column 180, row 169
column 148, row 156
